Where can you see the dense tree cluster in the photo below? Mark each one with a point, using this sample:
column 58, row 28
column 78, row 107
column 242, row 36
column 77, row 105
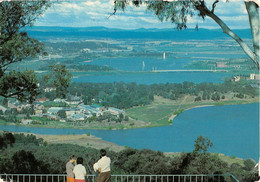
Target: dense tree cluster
column 90, row 67
column 6, row 139
column 119, row 95
column 83, row 67
column 32, row 155
column 16, row 45
column 126, row 95
column 78, row 46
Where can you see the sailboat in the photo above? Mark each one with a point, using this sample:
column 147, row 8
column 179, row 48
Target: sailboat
column 163, row 55
column 143, row 66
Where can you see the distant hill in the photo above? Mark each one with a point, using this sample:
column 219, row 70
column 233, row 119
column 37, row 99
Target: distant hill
column 45, row 33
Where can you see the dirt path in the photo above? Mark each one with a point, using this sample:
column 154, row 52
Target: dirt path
column 174, row 115
column 82, row 140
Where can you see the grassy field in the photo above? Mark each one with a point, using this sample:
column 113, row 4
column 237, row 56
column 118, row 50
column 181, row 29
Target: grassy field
column 162, row 111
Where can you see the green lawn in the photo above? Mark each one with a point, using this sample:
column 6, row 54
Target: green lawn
column 159, row 112
column 152, row 112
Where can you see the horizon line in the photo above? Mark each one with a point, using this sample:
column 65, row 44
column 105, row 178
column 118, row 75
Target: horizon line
column 173, row 28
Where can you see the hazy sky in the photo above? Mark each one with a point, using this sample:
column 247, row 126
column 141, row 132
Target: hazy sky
column 96, row 12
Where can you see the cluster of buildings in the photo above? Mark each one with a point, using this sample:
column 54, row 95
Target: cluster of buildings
column 74, row 110
column 80, row 112
column 252, row 76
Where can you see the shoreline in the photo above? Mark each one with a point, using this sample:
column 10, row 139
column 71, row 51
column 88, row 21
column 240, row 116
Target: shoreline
column 173, row 116
column 98, row 143
column 121, row 127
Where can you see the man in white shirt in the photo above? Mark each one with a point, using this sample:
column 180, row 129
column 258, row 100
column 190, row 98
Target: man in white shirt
column 103, row 167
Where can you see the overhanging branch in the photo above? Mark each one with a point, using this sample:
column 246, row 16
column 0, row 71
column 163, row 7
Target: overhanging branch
column 214, row 5
column 204, row 10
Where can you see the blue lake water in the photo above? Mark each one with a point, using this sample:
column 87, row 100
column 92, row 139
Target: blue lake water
column 233, row 130
column 142, row 63
column 178, row 61
column 138, row 69
column 151, row 78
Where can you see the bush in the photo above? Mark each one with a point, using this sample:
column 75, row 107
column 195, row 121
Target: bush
column 249, row 164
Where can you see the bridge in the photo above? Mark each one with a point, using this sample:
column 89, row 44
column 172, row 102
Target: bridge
column 187, row 70
column 123, row 178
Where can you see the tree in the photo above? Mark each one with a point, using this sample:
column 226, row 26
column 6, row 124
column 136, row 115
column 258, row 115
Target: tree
column 202, row 144
column 60, row 78
column 249, row 164
column 24, row 162
column 6, row 139
column 16, row 45
column 62, row 114
column 179, row 12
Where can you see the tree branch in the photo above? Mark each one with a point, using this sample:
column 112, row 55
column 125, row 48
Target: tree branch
column 11, row 61
column 214, row 5
column 252, row 10
column 12, row 94
column 226, row 30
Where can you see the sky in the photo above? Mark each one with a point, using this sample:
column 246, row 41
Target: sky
column 90, row 13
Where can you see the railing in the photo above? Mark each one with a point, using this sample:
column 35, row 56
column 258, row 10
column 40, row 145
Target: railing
column 122, row 178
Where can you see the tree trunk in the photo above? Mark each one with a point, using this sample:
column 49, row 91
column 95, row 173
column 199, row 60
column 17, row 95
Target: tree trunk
column 229, row 32
column 252, row 10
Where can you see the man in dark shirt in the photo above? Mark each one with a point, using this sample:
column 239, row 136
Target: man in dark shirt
column 69, row 169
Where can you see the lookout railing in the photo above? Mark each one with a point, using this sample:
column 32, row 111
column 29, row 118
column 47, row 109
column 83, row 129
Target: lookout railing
column 122, row 178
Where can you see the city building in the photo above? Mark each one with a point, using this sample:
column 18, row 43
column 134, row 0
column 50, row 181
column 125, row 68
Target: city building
column 77, row 117
column 59, row 100
column 54, row 110
column 26, row 121
column 42, row 100
column 3, row 108
column 115, row 111
column 89, row 109
column 221, row 64
column 72, row 111
column 254, row 76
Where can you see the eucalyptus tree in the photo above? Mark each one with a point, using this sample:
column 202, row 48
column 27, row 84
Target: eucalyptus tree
column 179, row 13
column 16, row 45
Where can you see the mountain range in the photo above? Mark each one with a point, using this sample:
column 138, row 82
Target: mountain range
column 44, row 33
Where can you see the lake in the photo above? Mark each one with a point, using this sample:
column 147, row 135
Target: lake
column 138, row 69
column 233, row 129
column 151, row 78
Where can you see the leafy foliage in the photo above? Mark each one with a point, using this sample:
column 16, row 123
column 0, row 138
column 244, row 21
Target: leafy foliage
column 126, row 95
column 26, row 163
column 32, row 155
column 6, row 139
column 60, row 78
column 16, row 45
column 20, row 85
column 179, row 12
column 202, row 144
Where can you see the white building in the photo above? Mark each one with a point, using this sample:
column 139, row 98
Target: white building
column 59, row 100
column 54, row 110
column 72, row 111
column 254, row 76
column 89, row 109
column 115, row 111
column 3, row 108
column 27, row 121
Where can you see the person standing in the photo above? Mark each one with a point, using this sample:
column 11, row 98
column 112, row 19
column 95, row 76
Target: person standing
column 69, row 169
column 103, row 167
column 79, row 171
